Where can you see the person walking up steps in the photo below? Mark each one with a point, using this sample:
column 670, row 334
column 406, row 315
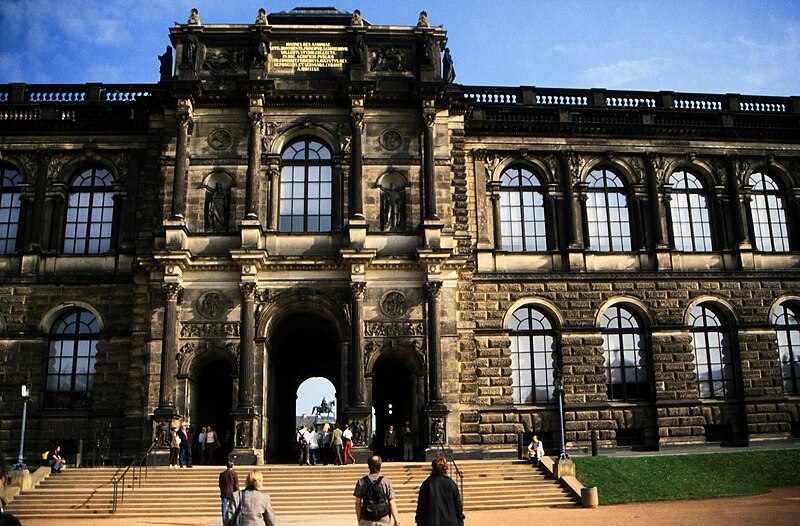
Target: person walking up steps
column 374, row 493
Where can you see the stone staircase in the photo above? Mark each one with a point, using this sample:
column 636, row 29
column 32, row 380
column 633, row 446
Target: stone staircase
column 295, row 490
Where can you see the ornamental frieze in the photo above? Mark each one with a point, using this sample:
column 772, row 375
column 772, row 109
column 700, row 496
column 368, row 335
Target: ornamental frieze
column 394, row 328
column 213, row 304
column 191, row 329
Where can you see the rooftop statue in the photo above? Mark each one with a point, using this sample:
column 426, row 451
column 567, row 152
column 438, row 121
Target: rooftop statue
column 166, row 64
column 194, row 17
column 423, row 20
column 448, row 71
column 357, row 20
column 261, row 19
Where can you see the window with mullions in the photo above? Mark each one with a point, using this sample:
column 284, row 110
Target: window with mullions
column 691, row 228
column 769, row 214
column 533, row 356
column 522, row 222
column 306, row 187
column 90, row 213
column 787, row 326
column 713, row 354
column 10, row 180
column 625, row 355
column 607, row 212
column 71, row 365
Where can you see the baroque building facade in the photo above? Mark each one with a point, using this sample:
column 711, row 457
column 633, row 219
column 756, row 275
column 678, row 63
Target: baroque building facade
column 311, row 195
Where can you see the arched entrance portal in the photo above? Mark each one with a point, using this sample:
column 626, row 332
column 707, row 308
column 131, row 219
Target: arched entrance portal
column 303, row 345
column 396, row 399
column 213, row 389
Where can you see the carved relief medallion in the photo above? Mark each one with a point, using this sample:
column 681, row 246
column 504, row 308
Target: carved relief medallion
column 220, row 139
column 212, row 304
column 394, row 304
column 391, row 140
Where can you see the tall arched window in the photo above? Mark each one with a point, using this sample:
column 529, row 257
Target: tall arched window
column 691, row 228
column 90, row 213
column 625, row 355
column 533, row 356
column 306, row 202
column 608, row 223
column 787, row 326
column 713, row 354
column 10, row 180
column 71, row 365
column 768, row 211
column 522, row 222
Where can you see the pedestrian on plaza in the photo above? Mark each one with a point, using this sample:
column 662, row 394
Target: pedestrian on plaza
column 211, row 445
column 327, row 435
column 375, row 499
column 313, row 445
column 337, row 443
column 174, row 448
column 251, row 507
column 200, row 447
column 228, row 484
column 347, row 438
column 439, row 502
column 303, row 439
column 186, row 445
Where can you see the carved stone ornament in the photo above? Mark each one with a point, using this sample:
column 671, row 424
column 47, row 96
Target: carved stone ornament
column 394, row 304
column 394, row 328
column 210, row 330
column 390, row 59
column 57, row 162
column 220, row 139
column 221, row 59
column 212, row 305
column 391, row 140
column 173, row 291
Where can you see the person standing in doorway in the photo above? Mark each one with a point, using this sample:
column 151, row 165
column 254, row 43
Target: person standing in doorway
column 228, row 484
column 174, row 448
column 303, row 438
column 439, row 502
column 390, row 443
column 186, row 445
column 326, row 444
column 337, row 442
column 313, row 445
column 407, row 435
column 201, row 445
column 211, row 445
column 347, row 438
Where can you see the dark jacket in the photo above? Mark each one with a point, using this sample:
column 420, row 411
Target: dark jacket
column 228, row 483
column 439, row 502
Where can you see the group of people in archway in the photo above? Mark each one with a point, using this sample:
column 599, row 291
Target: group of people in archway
column 183, row 447
column 332, row 444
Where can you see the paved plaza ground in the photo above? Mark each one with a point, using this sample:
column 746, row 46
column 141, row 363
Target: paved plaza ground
column 781, row 507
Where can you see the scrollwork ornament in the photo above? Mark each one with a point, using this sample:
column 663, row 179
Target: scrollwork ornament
column 220, row 139
column 432, row 289
column 429, row 119
column 659, row 165
column 29, row 164
column 358, row 289
column 56, row 164
column 573, row 162
column 173, row 291
column 552, row 164
column 248, row 290
column 637, row 168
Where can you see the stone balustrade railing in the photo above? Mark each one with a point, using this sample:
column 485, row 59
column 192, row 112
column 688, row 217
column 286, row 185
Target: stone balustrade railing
column 69, row 93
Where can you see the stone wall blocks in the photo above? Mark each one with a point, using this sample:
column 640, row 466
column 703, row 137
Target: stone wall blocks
column 494, row 439
column 491, row 418
column 507, row 428
column 470, row 438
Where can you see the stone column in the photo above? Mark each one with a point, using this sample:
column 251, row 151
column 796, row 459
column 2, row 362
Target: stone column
column 735, row 169
column 35, row 231
column 256, row 117
column 429, row 176
column 273, row 205
column 356, row 160
column 569, row 173
column 184, row 119
column 247, row 346
column 357, row 398
column 432, row 291
column 654, row 169
column 169, row 347
column 497, row 227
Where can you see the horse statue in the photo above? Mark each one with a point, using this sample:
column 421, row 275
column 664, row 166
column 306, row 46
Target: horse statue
column 324, row 408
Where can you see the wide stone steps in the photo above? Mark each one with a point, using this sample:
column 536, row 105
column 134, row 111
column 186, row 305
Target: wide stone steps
column 295, row 490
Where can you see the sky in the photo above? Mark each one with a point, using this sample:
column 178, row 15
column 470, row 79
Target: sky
column 700, row 46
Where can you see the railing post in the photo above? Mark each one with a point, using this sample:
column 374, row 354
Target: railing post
column 598, row 98
column 667, row 99
column 731, row 102
column 18, row 93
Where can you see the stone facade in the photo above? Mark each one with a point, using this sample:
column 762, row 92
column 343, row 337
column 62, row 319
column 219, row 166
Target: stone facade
column 213, row 306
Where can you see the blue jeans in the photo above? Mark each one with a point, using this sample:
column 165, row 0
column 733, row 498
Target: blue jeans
column 186, row 456
column 224, row 508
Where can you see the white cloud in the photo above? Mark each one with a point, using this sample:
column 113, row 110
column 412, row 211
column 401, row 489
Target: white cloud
column 621, row 73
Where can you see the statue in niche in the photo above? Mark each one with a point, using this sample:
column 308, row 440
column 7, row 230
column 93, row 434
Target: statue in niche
column 393, row 201
column 448, row 71
column 260, row 48
column 427, row 49
column 217, row 208
column 357, row 20
column 165, row 70
column 189, row 55
column 358, row 50
column 261, row 19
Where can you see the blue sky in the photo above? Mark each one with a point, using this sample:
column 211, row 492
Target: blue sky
column 722, row 46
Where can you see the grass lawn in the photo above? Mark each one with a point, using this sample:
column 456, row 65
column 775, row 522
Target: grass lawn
column 698, row 476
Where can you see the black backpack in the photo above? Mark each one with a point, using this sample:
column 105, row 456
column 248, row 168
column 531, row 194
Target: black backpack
column 374, row 505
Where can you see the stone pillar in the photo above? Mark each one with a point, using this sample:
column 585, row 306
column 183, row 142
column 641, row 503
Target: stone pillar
column 357, row 397
column 654, row 169
column 36, row 226
column 169, row 346
column 497, row 227
column 356, row 160
column 436, row 410
column 429, row 175
column 569, row 173
column 735, row 168
column 184, row 119
column 247, row 346
column 256, row 117
column 273, row 207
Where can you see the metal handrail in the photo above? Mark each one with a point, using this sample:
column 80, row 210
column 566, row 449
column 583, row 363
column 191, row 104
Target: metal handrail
column 451, row 460
column 116, row 480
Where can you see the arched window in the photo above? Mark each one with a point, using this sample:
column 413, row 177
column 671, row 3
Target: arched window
column 533, row 356
column 769, row 214
column 713, row 354
column 691, row 228
column 522, row 221
column 71, row 365
column 10, row 180
column 625, row 355
column 306, row 187
column 787, row 326
column 607, row 212
column 90, row 213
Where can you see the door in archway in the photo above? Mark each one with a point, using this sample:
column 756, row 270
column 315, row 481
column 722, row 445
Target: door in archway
column 303, row 345
column 395, row 401
column 213, row 406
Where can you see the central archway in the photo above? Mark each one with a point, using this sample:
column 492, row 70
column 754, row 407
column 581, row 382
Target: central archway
column 396, row 399
column 303, row 345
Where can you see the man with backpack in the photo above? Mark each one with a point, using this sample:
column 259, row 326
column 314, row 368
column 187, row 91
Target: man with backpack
column 374, row 495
